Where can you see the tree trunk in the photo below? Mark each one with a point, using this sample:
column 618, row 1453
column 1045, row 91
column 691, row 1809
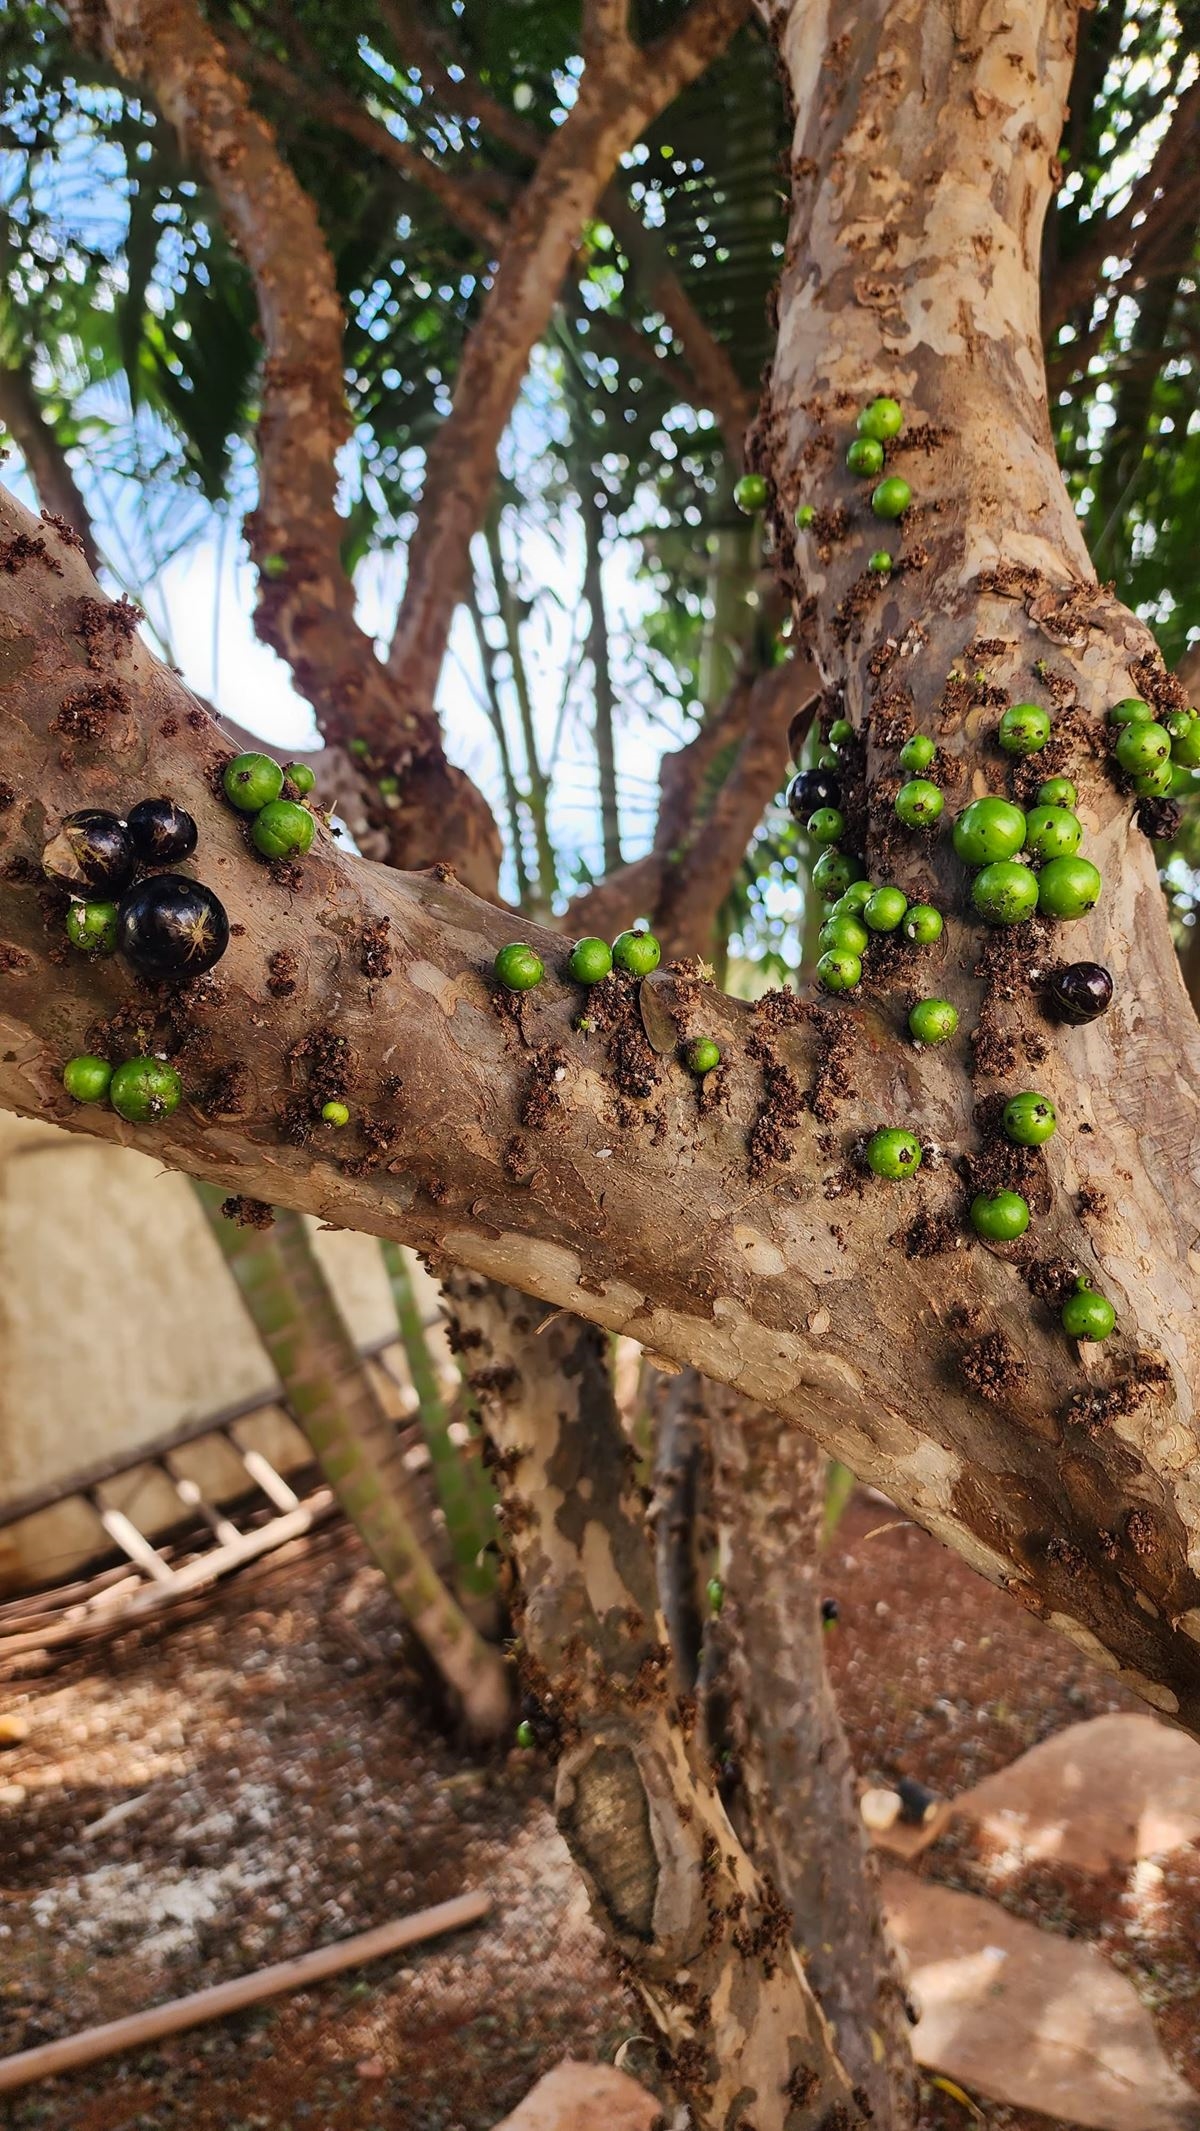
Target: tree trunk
column 333, row 1402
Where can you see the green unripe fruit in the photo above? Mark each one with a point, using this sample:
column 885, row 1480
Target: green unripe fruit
column 918, row 803
column 1024, row 728
column 805, row 516
column 87, row 1079
column 1155, row 782
column 144, row 1089
column 1029, row 1119
column 388, row 785
column 1057, row 792
column 1005, row 893
column 335, row 1112
column 865, row 456
column 1068, row 887
column 922, row 924
column 714, row 1591
column 826, row 825
column 1178, row 722
column 893, row 1153
column 1001, row 1216
column 1186, row 747
column 750, row 495
column 827, row 759
column 933, row 1021
column 282, row 829
column 1183, row 782
column 301, row 776
column 834, row 872
column 252, row 781
column 92, row 928
column 524, row 1733
column 882, row 419
column 518, row 968
column 1052, row 832
column 917, row 753
column 1087, row 1315
column 702, row 1055
column 1129, row 710
column 885, row 909
column 988, row 829
column 1141, row 746
column 591, row 960
column 841, row 733
column 853, row 898
column 636, row 952
column 881, row 562
column 359, row 748
column 845, row 932
column 892, row 497
column 839, row 970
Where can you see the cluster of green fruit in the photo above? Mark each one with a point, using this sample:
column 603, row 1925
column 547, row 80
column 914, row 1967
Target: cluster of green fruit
column 281, row 828
column 876, row 425
column 141, row 1090
column 1158, row 757
column 519, row 969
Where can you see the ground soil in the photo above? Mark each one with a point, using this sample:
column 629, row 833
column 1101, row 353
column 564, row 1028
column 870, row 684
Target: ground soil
column 291, row 1791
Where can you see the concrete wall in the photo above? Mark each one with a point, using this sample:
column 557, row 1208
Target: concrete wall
column 120, row 1323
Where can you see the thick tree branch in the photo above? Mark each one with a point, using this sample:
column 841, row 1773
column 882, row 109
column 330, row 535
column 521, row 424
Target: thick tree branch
column 306, row 600
column 46, row 463
column 618, row 96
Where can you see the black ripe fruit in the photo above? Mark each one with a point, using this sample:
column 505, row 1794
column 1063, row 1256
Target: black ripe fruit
column 92, row 853
column 172, row 927
column 161, row 832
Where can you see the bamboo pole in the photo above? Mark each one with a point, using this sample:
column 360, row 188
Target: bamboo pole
column 51, row 2058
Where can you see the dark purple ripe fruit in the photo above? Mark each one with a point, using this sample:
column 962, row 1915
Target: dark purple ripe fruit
column 172, row 927
column 812, row 789
column 161, row 832
column 92, row 853
column 1082, row 991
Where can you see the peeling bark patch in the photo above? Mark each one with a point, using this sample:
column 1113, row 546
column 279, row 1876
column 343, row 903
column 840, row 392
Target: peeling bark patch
column 86, row 715
column 541, row 1103
column 780, row 1110
column 376, row 957
column 24, row 548
column 228, row 1091
column 932, row 1232
column 108, row 628
column 1094, row 1410
column 607, row 1818
column 329, row 1063
column 281, row 972
column 993, row 1368
column 614, row 1009
column 12, row 959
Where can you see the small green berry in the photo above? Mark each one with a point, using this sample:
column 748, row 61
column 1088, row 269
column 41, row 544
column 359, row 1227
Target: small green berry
column 144, row 1089
column 1185, row 747
column 1178, row 723
column 885, row 910
column 917, row 753
column 1024, row 729
column 714, row 1591
column 827, row 759
column 702, row 1055
column 1029, row 1119
column 893, row 1153
column 988, row 829
column 92, row 928
column 865, row 456
column 1129, row 710
column 301, row 776
column 853, row 898
column 591, row 960
column 282, row 829
column 524, row 1734
column 359, row 748
column 843, row 931
column 1001, row 1216
column 750, row 494
column 518, row 968
column 881, row 562
column 839, row 970
column 1141, row 746
column 1087, row 1315
column 892, row 497
column 388, row 785
column 933, row 1021
column 1005, row 893
column 922, row 924
column 918, row 803
column 1057, row 792
column 826, row 825
column 335, row 1113
column 841, row 733
column 805, row 516
column 1154, row 783
column 882, row 419
column 636, row 952
column 1068, row 887
column 252, row 781
column 834, row 871
column 86, row 1079
column 1052, row 832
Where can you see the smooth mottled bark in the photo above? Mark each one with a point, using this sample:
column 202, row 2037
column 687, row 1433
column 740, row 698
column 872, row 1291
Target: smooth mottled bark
column 702, row 1936
column 768, row 1484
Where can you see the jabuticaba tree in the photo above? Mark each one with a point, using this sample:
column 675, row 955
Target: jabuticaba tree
column 731, row 1223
